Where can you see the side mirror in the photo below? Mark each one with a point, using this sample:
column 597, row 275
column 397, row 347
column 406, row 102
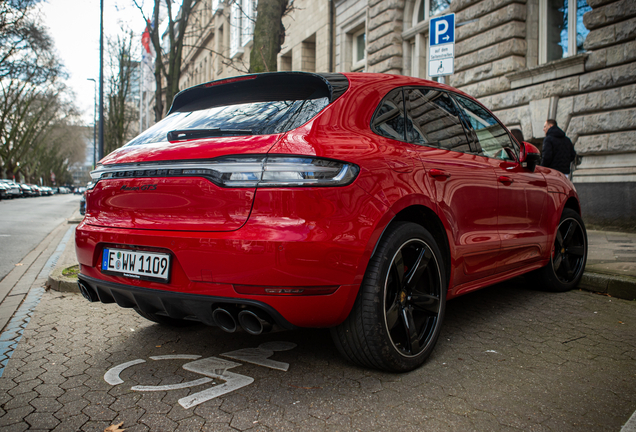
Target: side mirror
column 530, row 156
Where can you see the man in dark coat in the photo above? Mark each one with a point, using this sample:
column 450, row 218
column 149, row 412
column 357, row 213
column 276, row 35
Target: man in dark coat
column 558, row 151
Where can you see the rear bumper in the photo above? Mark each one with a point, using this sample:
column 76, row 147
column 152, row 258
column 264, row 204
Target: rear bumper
column 174, row 305
column 317, row 311
column 206, row 268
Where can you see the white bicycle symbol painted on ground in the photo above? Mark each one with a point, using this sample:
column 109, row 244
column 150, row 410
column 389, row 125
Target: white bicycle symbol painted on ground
column 213, row 368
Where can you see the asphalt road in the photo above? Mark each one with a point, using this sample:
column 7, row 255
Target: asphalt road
column 25, row 222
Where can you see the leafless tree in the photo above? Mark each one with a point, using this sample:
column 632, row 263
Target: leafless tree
column 34, row 101
column 121, row 111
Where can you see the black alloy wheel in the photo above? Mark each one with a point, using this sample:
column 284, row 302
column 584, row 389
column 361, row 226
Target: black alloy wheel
column 568, row 255
column 396, row 319
column 412, row 297
column 569, row 252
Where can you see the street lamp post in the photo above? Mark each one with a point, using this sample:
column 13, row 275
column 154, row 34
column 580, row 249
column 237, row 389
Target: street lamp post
column 101, row 79
column 94, row 122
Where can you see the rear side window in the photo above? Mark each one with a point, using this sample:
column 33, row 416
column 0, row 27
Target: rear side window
column 433, row 120
column 252, row 106
column 388, row 119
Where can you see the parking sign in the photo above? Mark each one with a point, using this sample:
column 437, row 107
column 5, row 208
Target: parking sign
column 441, row 46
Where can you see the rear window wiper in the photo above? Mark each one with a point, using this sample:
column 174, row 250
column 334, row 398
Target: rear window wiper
column 177, row 135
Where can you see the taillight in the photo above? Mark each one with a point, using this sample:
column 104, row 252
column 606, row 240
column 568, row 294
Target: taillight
column 245, row 171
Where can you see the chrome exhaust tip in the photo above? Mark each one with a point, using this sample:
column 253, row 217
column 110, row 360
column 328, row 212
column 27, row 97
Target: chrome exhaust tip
column 224, row 319
column 254, row 322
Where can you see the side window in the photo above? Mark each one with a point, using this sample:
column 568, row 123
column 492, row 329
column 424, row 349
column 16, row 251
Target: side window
column 388, row 119
column 433, row 120
column 494, row 141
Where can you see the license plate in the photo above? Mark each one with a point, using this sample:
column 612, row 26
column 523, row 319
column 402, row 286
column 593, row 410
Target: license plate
column 137, row 264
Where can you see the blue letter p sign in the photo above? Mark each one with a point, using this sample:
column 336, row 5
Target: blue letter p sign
column 442, row 30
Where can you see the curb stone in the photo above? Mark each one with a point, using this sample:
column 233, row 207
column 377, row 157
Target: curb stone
column 623, row 287
column 58, row 282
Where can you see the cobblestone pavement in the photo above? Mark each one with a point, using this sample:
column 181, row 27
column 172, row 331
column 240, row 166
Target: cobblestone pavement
column 509, row 359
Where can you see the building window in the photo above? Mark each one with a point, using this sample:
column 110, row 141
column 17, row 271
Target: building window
column 242, row 18
column 351, row 47
column 308, row 54
column 562, row 31
column 286, row 61
column 359, row 50
column 248, row 19
column 429, row 8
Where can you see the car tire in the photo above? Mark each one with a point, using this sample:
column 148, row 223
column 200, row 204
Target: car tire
column 567, row 257
column 397, row 316
column 164, row 320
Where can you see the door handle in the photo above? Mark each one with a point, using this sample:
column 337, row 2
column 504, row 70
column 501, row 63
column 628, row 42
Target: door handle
column 438, row 173
column 505, row 180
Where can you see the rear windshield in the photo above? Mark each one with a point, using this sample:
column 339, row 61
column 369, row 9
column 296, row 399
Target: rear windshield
column 261, row 118
column 263, row 105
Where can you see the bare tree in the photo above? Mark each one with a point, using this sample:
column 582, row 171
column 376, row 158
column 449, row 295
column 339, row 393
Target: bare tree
column 168, row 63
column 33, row 99
column 122, row 112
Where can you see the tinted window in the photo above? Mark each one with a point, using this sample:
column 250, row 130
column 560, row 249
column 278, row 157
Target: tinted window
column 388, row 119
column 433, row 120
column 493, row 140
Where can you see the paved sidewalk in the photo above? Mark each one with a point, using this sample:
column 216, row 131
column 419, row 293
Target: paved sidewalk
column 508, row 359
column 611, row 264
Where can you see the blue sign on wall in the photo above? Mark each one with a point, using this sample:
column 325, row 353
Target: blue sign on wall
column 442, row 30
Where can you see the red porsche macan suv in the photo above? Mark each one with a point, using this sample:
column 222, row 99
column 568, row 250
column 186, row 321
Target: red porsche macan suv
column 358, row 202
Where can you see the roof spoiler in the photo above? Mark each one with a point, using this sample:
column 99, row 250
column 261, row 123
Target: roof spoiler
column 261, row 87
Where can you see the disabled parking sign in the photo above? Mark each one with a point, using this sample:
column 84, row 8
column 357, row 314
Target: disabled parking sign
column 441, row 46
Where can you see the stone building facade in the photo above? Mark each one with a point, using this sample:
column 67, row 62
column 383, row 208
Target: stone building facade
column 308, row 37
column 527, row 60
column 218, row 41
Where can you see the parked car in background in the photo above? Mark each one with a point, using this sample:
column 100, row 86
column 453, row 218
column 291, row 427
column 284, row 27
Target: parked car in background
column 3, row 191
column 37, row 191
column 13, row 189
column 358, row 202
column 26, row 190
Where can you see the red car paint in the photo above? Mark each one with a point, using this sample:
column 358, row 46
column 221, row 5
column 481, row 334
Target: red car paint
column 499, row 218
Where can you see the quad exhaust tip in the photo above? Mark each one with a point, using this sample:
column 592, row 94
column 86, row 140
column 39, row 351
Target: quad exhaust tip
column 224, row 319
column 254, row 322
column 87, row 292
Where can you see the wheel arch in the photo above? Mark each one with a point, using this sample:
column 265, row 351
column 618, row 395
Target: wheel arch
column 428, row 219
column 572, row 203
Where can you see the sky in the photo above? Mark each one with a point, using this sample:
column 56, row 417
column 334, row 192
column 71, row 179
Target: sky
column 74, row 27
